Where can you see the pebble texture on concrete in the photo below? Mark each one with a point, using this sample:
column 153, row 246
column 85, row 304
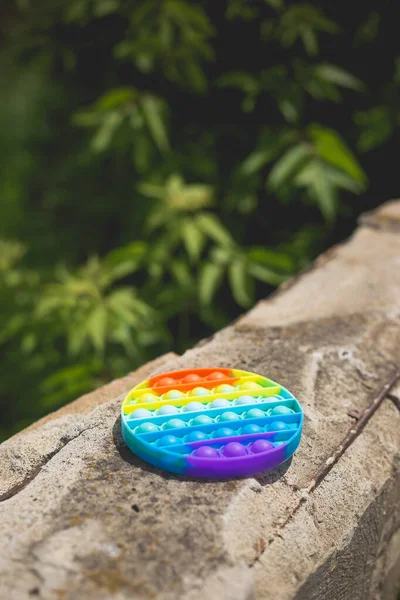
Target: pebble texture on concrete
column 81, row 517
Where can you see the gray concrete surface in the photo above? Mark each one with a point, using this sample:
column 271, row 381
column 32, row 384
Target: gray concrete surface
column 81, row 517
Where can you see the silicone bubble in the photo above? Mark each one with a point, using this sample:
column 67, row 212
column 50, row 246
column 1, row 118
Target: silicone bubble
column 245, row 400
column 229, row 416
column 212, row 422
column 173, row 395
column 206, row 452
column 193, row 406
column 168, row 440
column 223, row 432
column 281, row 410
column 215, row 376
column 167, row 409
column 141, row 413
column 261, row 446
column 250, row 385
column 202, row 420
column 148, row 398
column 174, row 424
column 234, row 449
column 255, row 413
column 165, row 381
column 220, row 403
column 196, row 436
column 225, row 388
column 253, row 428
column 199, row 391
column 191, row 378
column 147, row 428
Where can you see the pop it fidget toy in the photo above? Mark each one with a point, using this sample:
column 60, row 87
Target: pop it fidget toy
column 211, row 422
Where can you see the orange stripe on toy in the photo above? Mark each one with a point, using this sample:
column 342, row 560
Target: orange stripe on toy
column 190, row 377
column 184, row 387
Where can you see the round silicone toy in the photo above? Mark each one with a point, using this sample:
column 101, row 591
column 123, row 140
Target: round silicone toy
column 212, row 422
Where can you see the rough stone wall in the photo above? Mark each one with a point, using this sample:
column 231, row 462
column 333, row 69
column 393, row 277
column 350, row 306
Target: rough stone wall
column 81, row 517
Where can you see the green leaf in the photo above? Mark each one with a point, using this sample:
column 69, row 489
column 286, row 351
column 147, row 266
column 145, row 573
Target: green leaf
column 13, row 326
column 325, row 194
column 196, row 76
column 76, row 337
column 240, row 282
column 342, row 180
column 126, row 260
column 290, row 105
column 376, row 127
column 106, row 131
column 198, row 195
column 96, row 327
column 158, row 218
column 368, row 30
column 266, row 275
column 76, row 10
column 315, row 178
column 244, row 81
column 123, row 305
column 102, row 8
column 152, row 111
column 302, row 15
column 29, row 343
column 321, row 90
column 221, row 255
column 247, row 204
column 275, row 4
column 304, row 22
column 288, row 165
column 213, row 228
column 182, row 274
column 256, row 161
column 338, row 76
column 270, row 145
column 193, row 239
column 310, row 41
column 190, row 15
column 10, row 253
column 152, row 190
column 331, row 148
column 87, row 118
column 132, row 251
column 115, row 98
column 142, row 152
column 48, row 304
column 274, row 259
column 209, row 280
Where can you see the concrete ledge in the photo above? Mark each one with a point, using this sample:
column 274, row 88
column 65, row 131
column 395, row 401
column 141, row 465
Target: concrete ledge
column 22, row 456
column 83, row 518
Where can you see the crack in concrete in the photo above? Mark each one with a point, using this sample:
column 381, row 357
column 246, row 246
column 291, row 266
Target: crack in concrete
column 326, row 467
column 33, row 473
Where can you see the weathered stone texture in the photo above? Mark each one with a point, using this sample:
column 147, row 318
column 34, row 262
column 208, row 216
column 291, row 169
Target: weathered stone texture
column 81, row 517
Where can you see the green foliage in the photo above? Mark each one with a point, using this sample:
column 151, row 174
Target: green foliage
column 173, row 36
column 135, row 217
column 378, row 123
column 303, row 22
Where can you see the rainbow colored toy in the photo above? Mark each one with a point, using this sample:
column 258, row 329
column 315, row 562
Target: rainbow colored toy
column 211, row 422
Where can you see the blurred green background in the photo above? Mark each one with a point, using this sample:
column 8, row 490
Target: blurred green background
column 164, row 164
